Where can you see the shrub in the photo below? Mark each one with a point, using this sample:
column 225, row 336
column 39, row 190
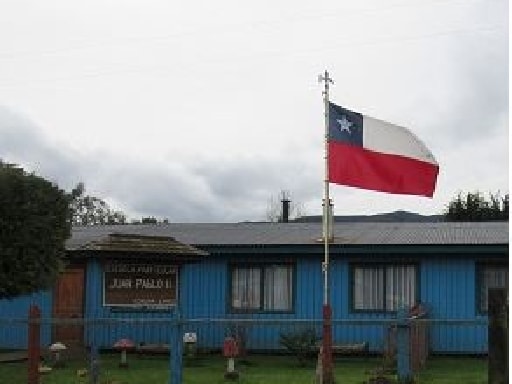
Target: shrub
column 302, row 343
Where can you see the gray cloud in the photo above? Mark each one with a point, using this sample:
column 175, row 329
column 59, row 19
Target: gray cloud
column 223, row 190
column 22, row 142
column 212, row 191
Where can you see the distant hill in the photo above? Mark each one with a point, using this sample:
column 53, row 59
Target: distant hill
column 391, row 217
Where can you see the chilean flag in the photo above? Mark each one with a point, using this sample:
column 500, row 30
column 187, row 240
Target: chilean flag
column 372, row 154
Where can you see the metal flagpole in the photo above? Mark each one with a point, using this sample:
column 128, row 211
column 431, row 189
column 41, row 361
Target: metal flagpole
column 327, row 366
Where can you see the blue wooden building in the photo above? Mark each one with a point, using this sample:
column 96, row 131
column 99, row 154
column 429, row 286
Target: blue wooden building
column 265, row 271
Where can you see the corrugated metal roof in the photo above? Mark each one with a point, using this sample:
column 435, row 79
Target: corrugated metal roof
column 305, row 233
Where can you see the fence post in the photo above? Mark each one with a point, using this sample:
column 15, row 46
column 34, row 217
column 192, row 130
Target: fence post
column 498, row 336
column 90, row 326
column 34, row 348
column 94, row 364
column 403, row 347
column 176, row 350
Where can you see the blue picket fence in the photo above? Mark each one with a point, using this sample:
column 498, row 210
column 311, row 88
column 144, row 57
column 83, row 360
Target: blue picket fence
column 378, row 336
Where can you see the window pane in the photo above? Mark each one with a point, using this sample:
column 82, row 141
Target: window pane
column 400, row 286
column 278, row 288
column 495, row 276
column 368, row 288
column 245, row 292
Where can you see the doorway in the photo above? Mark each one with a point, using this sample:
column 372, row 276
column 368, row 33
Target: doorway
column 68, row 304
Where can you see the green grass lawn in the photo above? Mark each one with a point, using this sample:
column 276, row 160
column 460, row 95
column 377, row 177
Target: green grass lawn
column 257, row 369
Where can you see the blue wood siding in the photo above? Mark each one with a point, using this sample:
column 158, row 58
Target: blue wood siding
column 203, row 295
column 14, row 316
column 206, row 295
column 447, row 285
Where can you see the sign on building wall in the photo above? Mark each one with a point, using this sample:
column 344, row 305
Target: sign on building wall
column 128, row 285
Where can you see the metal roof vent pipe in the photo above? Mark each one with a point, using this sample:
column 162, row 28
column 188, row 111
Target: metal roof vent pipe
column 285, row 212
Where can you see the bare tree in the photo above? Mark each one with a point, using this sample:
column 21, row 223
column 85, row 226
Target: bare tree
column 275, row 203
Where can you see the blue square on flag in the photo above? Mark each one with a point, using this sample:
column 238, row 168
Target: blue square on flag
column 345, row 125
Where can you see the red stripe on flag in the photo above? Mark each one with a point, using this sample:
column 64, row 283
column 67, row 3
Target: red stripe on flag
column 359, row 167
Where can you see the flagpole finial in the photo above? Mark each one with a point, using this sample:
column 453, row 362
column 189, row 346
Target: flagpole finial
column 325, row 77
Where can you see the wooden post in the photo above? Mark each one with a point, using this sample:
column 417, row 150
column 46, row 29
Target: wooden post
column 498, row 336
column 327, row 364
column 403, row 355
column 34, row 348
column 94, row 364
column 176, row 353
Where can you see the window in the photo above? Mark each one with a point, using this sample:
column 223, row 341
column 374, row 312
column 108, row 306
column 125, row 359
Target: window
column 490, row 276
column 383, row 287
column 257, row 288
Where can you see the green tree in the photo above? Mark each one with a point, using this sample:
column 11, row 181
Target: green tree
column 474, row 206
column 90, row 210
column 34, row 225
column 150, row 220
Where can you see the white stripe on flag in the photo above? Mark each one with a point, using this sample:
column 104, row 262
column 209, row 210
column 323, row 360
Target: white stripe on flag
column 387, row 138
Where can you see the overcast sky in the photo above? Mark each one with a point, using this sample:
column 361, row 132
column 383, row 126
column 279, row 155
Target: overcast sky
column 199, row 111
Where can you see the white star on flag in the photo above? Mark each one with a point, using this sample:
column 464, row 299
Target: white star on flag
column 344, row 124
